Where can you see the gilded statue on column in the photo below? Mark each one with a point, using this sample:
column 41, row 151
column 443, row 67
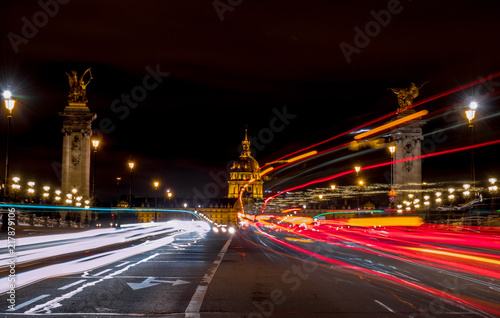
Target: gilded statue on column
column 406, row 95
column 78, row 87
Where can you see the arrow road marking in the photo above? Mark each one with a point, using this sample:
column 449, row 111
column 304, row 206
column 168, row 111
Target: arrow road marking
column 151, row 281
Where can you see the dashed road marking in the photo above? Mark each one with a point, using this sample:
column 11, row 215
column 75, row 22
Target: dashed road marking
column 71, row 285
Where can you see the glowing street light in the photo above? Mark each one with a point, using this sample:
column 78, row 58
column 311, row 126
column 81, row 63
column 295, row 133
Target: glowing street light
column 9, row 104
column 131, row 165
column 470, row 114
column 156, row 184
column 357, row 169
column 392, row 150
column 95, row 143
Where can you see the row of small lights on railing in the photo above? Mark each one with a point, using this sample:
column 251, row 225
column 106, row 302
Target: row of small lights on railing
column 69, row 197
column 451, row 196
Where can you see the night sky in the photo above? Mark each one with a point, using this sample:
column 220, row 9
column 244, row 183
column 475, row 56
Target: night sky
column 231, row 64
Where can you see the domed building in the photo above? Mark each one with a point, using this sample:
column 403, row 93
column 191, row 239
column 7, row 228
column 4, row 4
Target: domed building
column 243, row 170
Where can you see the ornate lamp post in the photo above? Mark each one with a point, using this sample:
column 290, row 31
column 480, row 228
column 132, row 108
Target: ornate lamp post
column 361, row 183
column 428, row 205
column 392, row 150
column 131, row 165
column 16, row 186
column 156, row 184
column 470, row 114
column 95, row 143
column 9, row 104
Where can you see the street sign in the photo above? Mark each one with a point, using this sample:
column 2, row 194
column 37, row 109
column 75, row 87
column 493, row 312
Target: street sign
column 392, row 199
column 392, row 193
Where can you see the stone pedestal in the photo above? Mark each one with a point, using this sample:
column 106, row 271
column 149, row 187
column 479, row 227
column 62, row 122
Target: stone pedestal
column 408, row 174
column 77, row 132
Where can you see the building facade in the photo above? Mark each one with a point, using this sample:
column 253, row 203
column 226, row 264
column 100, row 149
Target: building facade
column 245, row 174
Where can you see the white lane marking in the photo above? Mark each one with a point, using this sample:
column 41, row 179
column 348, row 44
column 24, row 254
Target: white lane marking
column 102, row 272
column 54, row 303
column 71, row 285
column 80, row 265
column 386, row 307
column 26, row 303
column 122, row 264
column 193, row 309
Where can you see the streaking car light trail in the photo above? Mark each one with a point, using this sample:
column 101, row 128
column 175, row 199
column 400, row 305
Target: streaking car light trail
column 391, row 124
column 444, row 152
column 100, row 210
column 423, row 101
column 473, row 304
column 35, row 249
column 387, row 247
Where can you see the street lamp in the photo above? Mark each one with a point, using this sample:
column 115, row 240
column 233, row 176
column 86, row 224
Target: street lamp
column 493, row 187
column 95, row 143
column 131, row 165
column 470, row 114
column 9, row 104
column 46, row 193
column 428, row 205
column 156, row 184
column 392, row 150
column 16, row 186
column 357, row 169
column 361, row 184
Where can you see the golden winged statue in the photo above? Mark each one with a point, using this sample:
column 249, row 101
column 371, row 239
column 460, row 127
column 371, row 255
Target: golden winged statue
column 78, row 87
column 406, row 95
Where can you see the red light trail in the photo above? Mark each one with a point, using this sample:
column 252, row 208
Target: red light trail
column 324, row 179
column 423, row 101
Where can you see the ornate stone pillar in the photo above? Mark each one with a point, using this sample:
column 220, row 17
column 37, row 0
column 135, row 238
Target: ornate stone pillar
column 76, row 155
column 408, row 174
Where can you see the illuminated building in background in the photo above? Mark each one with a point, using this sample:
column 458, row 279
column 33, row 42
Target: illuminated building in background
column 245, row 172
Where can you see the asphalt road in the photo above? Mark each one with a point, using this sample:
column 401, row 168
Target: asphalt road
column 248, row 274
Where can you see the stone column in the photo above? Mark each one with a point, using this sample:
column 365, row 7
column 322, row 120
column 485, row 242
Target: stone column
column 408, row 174
column 76, row 154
